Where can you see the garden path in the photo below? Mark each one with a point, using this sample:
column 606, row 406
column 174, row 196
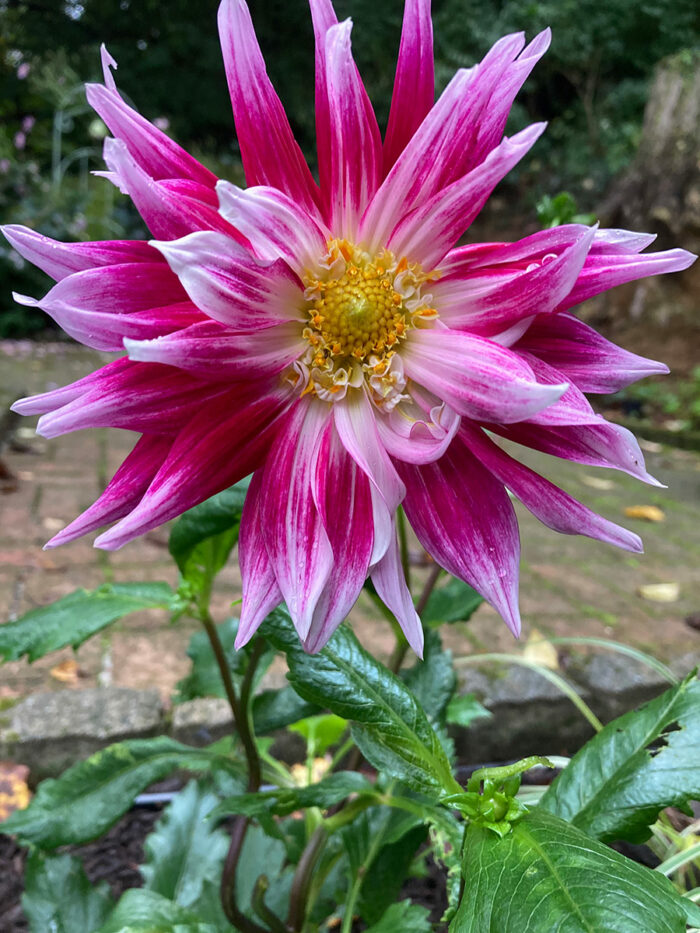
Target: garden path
column 570, row 585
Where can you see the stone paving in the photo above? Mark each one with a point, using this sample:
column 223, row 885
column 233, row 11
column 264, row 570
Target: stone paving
column 569, row 586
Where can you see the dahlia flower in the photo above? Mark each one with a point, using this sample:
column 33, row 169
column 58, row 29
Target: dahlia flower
column 332, row 339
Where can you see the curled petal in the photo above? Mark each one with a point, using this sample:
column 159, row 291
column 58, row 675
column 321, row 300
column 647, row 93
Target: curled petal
column 582, row 356
column 414, row 85
column 551, row 505
column 463, row 517
column 124, row 490
column 271, row 156
column 297, row 543
column 429, row 231
column 497, row 296
column 61, row 259
column 231, row 287
column 275, row 225
column 260, row 590
column 356, row 154
column 475, row 376
column 410, row 433
column 213, row 352
column 216, row 448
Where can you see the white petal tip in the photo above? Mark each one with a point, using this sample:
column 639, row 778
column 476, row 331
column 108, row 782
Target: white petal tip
column 25, row 300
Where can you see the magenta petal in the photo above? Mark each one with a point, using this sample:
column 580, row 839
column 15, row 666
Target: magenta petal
column 475, row 376
column 414, row 85
column 571, row 408
column 155, row 152
column 493, row 298
column 229, row 285
column 298, row 546
column 582, row 356
column 428, row 232
column 61, row 259
column 275, row 225
column 551, row 505
column 260, row 590
column 170, row 210
column 56, row 398
column 101, row 305
column 390, row 582
column 356, row 154
column 271, row 155
column 323, row 16
column 124, row 490
column 463, row 517
column 217, row 447
column 342, row 495
column 213, row 352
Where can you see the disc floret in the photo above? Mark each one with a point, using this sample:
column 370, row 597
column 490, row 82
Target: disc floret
column 361, row 307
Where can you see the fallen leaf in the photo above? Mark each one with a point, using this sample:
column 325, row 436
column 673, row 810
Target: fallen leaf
column 14, row 791
column 53, row 524
column 660, row 592
column 540, row 651
column 597, row 482
column 67, row 672
column 648, row 513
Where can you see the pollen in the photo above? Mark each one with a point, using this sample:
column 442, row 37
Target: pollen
column 359, row 313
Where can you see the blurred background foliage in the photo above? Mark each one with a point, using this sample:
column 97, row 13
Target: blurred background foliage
column 591, row 86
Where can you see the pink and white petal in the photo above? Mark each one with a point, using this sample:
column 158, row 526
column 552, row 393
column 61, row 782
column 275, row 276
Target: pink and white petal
column 551, row 505
column 275, row 225
column 210, row 351
column 342, row 495
column 463, row 517
column 271, row 156
column 410, row 433
column 261, row 594
column 221, row 443
column 493, row 123
column 438, row 152
column 99, row 306
column 124, row 490
column 604, row 271
column 572, row 408
column 414, row 84
column 156, row 153
column 428, row 233
column 229, row 285
column 297, row 544
column 50, row 401
column 323, row 16
column 168, row 212
column 61, row 259
column 601, row 445
column 582, row 356
column 144, row 397
column 501, row 295
column 610, row 240
column 390, row 583
column 356, row 145
column 475, row 376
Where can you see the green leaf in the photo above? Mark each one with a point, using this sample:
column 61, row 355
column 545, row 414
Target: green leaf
column 615, row 786
column 73, row 619
column 385, row 876
column 464, row 710
column 433, row 679
column 320, row 732
column 404, row 917
column 284, row 800
column 263, row 855
column 456, row 601
column 201, row 539
column 389, row 725
column 275, row 709
column 142, row 911
column 91, row 795
column 58, row 897
column 184, row 849
column 548, row 875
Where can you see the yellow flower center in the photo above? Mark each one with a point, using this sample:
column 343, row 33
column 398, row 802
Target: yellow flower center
column 360, row 308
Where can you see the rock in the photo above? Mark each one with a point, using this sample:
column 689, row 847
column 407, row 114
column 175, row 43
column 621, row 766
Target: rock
column 199, row 722
column 617, row 683
column 530, row 716
column 51, row 731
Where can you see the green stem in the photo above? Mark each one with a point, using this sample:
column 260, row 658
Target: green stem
column 403, row 544
column 303, row 875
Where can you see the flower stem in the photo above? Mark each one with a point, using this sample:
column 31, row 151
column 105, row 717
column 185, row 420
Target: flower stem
column 303, row 877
